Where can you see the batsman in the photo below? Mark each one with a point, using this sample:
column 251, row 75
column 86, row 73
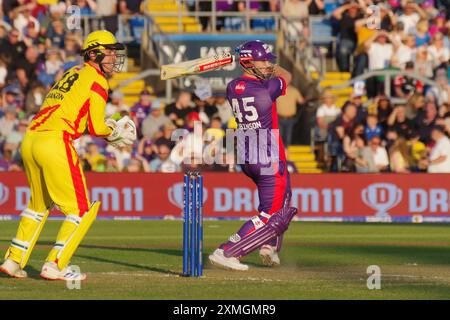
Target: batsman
column 54, row 172
column 253, row 99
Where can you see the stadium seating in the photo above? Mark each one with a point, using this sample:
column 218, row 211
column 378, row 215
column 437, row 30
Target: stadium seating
column 304, row 159
column 171, row 24
column 322, row 31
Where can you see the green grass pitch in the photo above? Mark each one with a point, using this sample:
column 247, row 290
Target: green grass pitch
column 142, row 260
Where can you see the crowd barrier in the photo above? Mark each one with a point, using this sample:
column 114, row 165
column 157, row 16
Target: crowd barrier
column 323, row 197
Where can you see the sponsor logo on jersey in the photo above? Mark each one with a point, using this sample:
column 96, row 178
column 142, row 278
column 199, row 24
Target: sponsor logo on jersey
column 240, row 87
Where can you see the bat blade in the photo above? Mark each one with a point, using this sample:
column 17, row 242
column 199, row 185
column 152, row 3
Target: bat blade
column 196, row 66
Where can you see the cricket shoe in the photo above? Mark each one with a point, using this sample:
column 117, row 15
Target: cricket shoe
column 219, row 260
column 269, row 256
column 50, row 271
column 12, row 269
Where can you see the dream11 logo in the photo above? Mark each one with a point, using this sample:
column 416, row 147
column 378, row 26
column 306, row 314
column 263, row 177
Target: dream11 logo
column 382, row 197
column 4, row 194
column 176, row 195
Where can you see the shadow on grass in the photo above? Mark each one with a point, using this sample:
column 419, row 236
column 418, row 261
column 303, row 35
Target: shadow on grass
column 31, row 271
column 432, row 255
column 131, row 265
column 170, row 252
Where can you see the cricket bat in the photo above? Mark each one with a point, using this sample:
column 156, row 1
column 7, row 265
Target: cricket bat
column 196, row 66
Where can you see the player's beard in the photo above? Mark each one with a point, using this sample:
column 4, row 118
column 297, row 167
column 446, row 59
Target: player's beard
column 264, row 76
column 117, row 65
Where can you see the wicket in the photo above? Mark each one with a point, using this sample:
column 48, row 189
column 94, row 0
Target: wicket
column 193, row 225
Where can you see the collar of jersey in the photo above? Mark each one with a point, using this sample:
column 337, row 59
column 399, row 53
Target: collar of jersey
column 100, row 72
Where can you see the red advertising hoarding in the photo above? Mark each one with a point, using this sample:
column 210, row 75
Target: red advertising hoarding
column 337, row 197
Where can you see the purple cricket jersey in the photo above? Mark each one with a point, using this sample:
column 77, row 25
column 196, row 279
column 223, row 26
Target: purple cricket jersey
column 254, row 106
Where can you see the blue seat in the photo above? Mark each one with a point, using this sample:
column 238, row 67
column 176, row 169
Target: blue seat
column 330, row 6
column 137, row 27
column 263, row 24
column 321, row 31
column 233, row 23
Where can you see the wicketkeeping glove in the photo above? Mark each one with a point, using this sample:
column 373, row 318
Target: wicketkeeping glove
column 124, row 132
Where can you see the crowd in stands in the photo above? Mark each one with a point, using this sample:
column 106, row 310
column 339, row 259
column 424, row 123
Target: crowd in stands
column 405, row 132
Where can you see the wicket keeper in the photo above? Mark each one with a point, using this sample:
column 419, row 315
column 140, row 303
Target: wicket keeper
column 253, row 99
column 52, row 166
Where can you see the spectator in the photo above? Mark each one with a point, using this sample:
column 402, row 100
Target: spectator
column 122, row 155
column 415, row 105
column 373, row 158
column 26, row 68
column 380, row 52
column 438, row 25
column 154, row 121
column 400, row 156
column 57, row 12
column 383, row 110
column 406, row 86
column 418, row 151
column 178, row 110
column 353, row 143
column 8, row 122
column 56, row 34
column 287, row 112
column 405, row 51
column 224, row 109
column 356, row 100
column 296, row 12
column 141, row 110
column 412, row 13
column 398, row 34
column 3, row 73
column 31, row 35
column 71, row 51
column 372, row 128
column 51, row 69
column 423, row 63
column 365, row 31
column 14, row 139
column 34, row 98
column 25, row 19
column 316, row 7
column 438, row 52
column 165, row 136
column 398, row 121
column 86, row 7
column 440, row 94
column 94, row 158
column 347, row 15
column 111, row 163
column 424, row 121
column 337, row 131
column 439, row 159
column 115, row 105
column 147, row 149
column 130, row 6
column 325, row 115
column 12, row 50
column 215, row 132
column 422, row 36
column 107, row 9
column 206, row 108
column 163, row 162
column 137, row 164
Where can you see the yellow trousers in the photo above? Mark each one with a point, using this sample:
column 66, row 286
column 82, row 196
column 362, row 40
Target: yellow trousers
column 55, row 175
